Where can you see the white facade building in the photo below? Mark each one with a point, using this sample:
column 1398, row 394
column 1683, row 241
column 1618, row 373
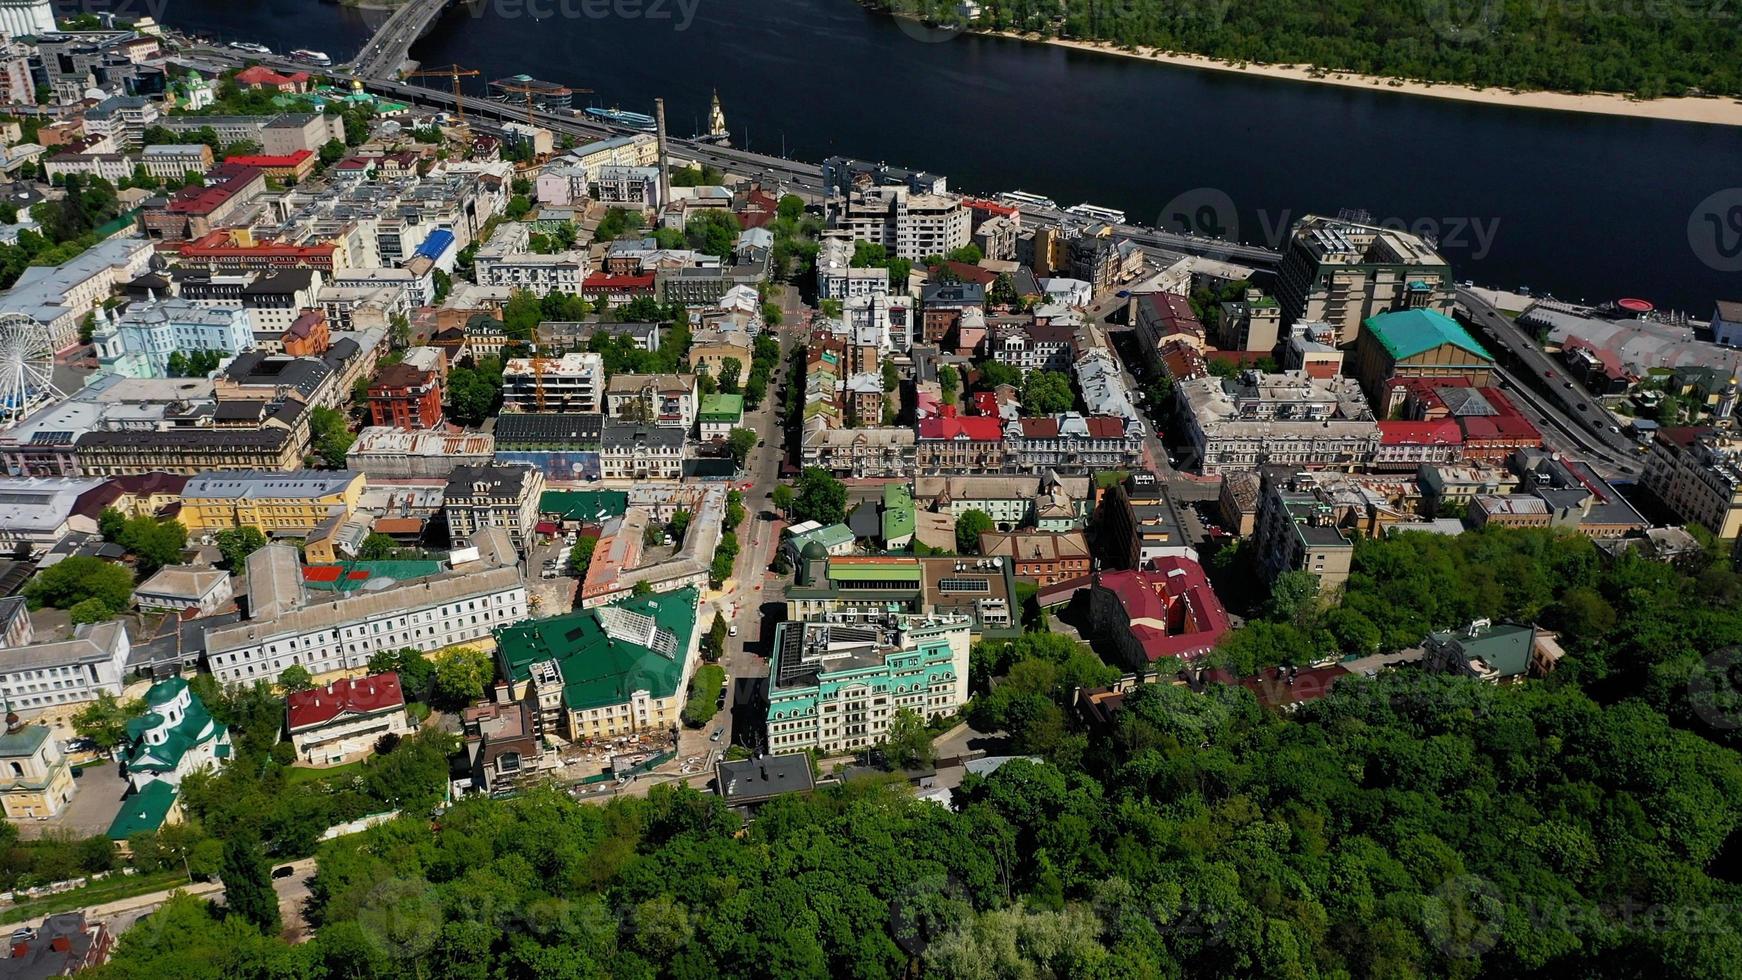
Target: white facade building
column 69, row 671
column 138, row 343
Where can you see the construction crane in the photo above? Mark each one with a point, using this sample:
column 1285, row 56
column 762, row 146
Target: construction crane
column 456, row 73
column 528, row 90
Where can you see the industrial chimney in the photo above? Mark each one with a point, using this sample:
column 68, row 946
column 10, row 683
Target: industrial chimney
column 664, row 158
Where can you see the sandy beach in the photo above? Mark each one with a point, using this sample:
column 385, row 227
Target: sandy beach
column 1713, row 111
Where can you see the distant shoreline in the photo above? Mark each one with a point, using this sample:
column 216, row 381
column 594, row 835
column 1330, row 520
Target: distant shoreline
column 1714, row 111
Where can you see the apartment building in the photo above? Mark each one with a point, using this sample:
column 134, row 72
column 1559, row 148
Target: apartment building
column 1072, row 443
column 1696, row 472
column 405, row 397
column 861, row 453
column 1289, row 418
column 665, row 400
column 837, row 278
column 909, row 225
column 499, row 496
column 836, row 687
column 1298, row 531
column 1342, row 271
column 276, row 503
column 574, row 382
column 959, row 445
column 1044, row 558
column 199, row 209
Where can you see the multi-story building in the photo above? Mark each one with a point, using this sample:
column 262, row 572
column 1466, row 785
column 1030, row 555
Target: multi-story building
column 1152, row 614
column 909, row 225
column 719, row 415
column 1696, row 473
column 174, row 161
column 561, row 272
column 1290, row 418
column 665, row 400
column 639, row 451
column 397, row 454
column 292, row 167
column 1447, row 490
column 1159, row 319
column 193, row 451
column 179, row 589
column 138, row 343
column 499, row 496
column 1072, row 443
column 1406, row 446
column 1141, row 523
column 109, row 166
column 1046, row 501
column 574, row 382
column 405, row 397
column 636, row 187
column 298, row 132
column 43, row 675
column 273, row 502
column 1342, row 272
column 1041, row 557
column 27, row 18
column 1297, row 531
column 58, row 297
column 122, row 118
column 861, row 453
column 838, row 279
column 1493, row 652
column 342, row 721
column 857, row 590
column 836, row 687
column 1252, row 323
column 1028, row 346
column 608, row 671
column 959, row 445
column 1416, row 344
column 459, row 605
column 197, row 210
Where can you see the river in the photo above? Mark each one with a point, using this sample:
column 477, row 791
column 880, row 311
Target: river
column 1586, row 206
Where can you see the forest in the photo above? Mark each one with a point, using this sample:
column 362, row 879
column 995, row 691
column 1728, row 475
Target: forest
column 1648, row 50
column 1404, row 825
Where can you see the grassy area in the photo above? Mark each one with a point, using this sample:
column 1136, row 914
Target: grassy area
column 107, row 890
column 307, row 774
column 704, row 699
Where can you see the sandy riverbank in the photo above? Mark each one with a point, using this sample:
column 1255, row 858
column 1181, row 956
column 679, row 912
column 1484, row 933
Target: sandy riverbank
column 1713, row 111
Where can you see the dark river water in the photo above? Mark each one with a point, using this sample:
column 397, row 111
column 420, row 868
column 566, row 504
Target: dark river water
column 1582, row 205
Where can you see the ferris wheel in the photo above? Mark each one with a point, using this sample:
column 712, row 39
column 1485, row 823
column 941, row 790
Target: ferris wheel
column 26, row 367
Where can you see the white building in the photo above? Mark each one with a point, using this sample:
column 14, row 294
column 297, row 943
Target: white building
column 138, row 344
column 177, row 588
column 1289, row 418
column 574, row 382
column 666, row 400
column 836, row 277
column 59, row 296
column 461, row 605
column 633, row 451
column 173, row 161
column 910, row 226
column 36, row 512
column 42, row 675
column 332, row 725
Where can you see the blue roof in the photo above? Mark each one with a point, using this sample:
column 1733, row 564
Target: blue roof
column 439, row 241
column 1406, row 333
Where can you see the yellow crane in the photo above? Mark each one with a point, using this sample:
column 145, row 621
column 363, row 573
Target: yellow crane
column 527, row 91
column 456, row 73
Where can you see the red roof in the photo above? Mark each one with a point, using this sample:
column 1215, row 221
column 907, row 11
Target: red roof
column 1444, row 432
column 990, row 207
column 259, row 75
column 1172, row 610
column 1106, row 426
column 607, row 282
column 973, row 428
column 358, row 696
column 1040, row 428
column 967, row 272
column 224, row 182
column 986, row 402
column 268, row 162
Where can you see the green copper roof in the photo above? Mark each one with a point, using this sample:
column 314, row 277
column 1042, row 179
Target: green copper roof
column 722, row 408
column 24, row 742
column 196, row 727
column 143, row 811
column 587, row 506
column 608, row 653
column 898, row 511
column 1406, row 333
column 1504, row 646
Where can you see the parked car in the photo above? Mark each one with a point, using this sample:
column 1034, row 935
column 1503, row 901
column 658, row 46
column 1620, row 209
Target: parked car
column 732, row 630
column 283, row 871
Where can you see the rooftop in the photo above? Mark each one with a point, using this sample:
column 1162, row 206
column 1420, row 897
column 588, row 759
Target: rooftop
column 607, row 653
column 1406, row 333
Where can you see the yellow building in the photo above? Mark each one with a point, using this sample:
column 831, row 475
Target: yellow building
column 35, row 780
column 292, row 503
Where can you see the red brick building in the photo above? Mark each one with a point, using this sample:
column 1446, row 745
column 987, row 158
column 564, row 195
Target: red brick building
column 405, row 397
column 309, row 335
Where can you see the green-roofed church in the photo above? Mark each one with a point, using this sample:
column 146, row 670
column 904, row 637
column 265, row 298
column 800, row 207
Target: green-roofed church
column 174, row 737
column 1407, row 344
column 611, row 670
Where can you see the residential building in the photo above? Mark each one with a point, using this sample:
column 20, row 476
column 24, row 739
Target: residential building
column 174, row 161
column 638, row 451
column 35, row 780
column 1492, row 652
column 510, row 262
column 275, row 503
column 292, row 167
column 897, row 517
column 180, row 588
column 1041, row 557
column 574, row 383
column 836, row 687
column 664, row 400
column 862, row 453
column 342, row 631
column 959, row 445
column 139, row 342
column 1342, row 272
column 1518, row 510
column 66, row 943
column 720, row 414
column 909, row 225
column 1420, row 343
column 564, row 446
column 1448, row 490
column 297, row 132
column 1072, row 443
column 1162, row 318
column 16, row 629
column 746, row 785
column 864, row 399
column 58, row 297
column 1297, row 531
column 1406, row 446
column 1253, row 323
column 612, row 670
column 1141, row 523
column 1577, row 498
column 1696, row 473
column 499, row 496
column 854, row 589
column 1048, row 501
column 43, row 675
column 832, row 539
column 405, row 397
column 838, row 279
column 1289, row 418
column 343, row 721
column 503, row 745
column 1147, row 616
column 123, row 118
column 112, row 167
column 194, row 451
column 199, row 209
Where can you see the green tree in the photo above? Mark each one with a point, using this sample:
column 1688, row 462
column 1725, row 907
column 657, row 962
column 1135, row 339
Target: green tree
column 332, row 151
column 462, row 675
column 714, row 231
column 295, row 678
column 90, row 611
column 969, row 526
column 908, row 744
column 714, row 643
column 949, row 383
column 104, row 721
column 820, row 497
column 330, row 436
column 236, row 544
column 78, row 578
column 110, row 524
column 377, row 547
column 581, row 556
column 730, row 371
column 247, row 880
column 1047, row 393
column 739, row 443
column 783, row 499
column 153, row 543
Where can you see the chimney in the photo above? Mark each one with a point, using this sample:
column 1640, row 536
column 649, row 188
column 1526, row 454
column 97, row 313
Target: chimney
column 501, row 691
column 664, row 157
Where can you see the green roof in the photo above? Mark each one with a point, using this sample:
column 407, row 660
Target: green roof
column 23, row 742
column 1504, row 646
column 864, row 571
column 1406, row 333
column 898, row 511
column 722, row 408
column 196, row 727
column 827, row 538
column 143, row 811
column 587, row 506
column 608, row 653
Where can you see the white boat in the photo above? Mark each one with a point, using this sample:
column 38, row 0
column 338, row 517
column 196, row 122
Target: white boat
column 312, row 57
column 251, row 47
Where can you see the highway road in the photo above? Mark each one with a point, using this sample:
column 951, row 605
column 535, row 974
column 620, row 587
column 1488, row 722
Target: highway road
column 386, row 52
